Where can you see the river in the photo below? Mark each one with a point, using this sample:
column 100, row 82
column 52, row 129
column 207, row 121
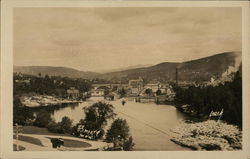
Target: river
column 149, row 123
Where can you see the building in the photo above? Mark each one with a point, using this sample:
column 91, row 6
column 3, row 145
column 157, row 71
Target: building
column 153, row 86
column 164, row 88
column 136, row 86
column 73, row 93
column 97, row 92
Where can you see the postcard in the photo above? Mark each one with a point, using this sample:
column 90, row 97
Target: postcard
column 127, row 79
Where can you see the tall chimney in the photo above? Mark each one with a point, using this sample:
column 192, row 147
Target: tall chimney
column 176, row 76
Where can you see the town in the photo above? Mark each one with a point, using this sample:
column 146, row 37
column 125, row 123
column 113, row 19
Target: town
column 134, row 90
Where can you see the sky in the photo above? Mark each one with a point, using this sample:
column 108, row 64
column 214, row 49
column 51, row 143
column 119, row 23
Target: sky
column 97, row 39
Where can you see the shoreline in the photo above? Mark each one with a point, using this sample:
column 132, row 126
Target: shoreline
column 38, row 101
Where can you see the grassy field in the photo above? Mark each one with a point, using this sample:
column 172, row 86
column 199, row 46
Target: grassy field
column 39, row 131
column 75, row 143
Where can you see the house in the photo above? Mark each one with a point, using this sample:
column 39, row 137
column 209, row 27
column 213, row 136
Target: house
column 97, row 92
column 136, row 86
column 73, row 93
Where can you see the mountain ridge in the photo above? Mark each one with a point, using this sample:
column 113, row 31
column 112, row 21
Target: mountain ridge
column 194, row 70
column 55, row 71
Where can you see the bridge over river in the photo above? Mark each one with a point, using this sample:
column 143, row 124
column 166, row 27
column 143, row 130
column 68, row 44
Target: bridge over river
column 109, row 85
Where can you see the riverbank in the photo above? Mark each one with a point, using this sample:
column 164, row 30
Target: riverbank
column 44, row 101
column 208, row 135
column 190, row 113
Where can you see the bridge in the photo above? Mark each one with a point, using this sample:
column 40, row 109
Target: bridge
column 110, row 86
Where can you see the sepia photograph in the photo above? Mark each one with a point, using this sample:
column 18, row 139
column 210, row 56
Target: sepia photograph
column 127, row 79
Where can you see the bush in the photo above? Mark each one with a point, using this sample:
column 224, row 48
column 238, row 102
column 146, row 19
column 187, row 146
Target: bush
column 42, row 118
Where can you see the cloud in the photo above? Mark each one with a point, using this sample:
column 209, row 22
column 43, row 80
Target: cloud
column 106, row 38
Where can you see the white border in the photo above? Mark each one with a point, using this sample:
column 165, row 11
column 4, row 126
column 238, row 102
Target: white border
column 7, row 91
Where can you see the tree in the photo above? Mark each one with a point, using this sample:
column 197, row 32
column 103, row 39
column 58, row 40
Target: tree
column 98, row 114
column 158, row 92
column 54, row 127
column 42, row 118
column 128, row 144
column 118, row 133
column 66, row 124
column 226, row 96
column 122, row 92
column 21, row 114
column 105, row 88
column 149, row 91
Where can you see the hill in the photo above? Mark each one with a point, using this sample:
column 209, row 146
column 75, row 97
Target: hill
column 54, row 71
column 196, row 70
column 205, row 68
column 122, row 68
